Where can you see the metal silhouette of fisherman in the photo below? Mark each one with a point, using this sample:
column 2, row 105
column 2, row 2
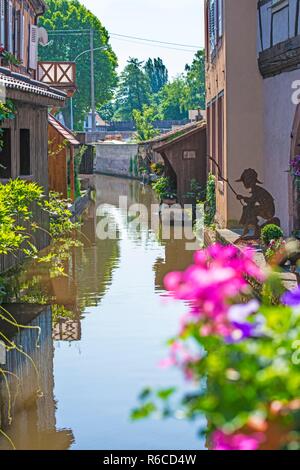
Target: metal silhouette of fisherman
column 260, row 204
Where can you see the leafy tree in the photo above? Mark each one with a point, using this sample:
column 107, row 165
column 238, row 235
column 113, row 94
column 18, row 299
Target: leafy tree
column 107, row 111
column 157, row 74
column 134, row 90
column 173, row 99
column 71, row 15
column 143, row 121
column 195, row 79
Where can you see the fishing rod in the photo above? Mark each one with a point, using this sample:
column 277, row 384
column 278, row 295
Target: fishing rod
column 226, row 180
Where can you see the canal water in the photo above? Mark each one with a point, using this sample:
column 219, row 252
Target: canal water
column 97, row 338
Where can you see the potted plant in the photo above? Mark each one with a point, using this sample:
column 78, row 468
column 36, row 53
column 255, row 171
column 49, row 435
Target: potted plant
column 165, row 191
column 8, row 59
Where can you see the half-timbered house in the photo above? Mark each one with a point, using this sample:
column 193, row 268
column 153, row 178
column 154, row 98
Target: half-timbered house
column 278, row 41
column 24, row 150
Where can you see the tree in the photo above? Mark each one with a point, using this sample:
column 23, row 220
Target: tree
column 157, row 74
column 143, row 122
column 65, row 15
column 134, row 90
column 195, row 79
column 173, row 99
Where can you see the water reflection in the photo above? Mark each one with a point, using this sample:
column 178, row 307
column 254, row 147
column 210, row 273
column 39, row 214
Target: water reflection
column 103, row 333
column 33, row 414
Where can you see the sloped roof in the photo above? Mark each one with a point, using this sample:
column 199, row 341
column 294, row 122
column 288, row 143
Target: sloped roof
column 21, row 82
column 173, row 132
column 179, row 134
column 66, row 133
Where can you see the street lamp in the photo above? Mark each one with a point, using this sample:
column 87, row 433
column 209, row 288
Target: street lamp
column 93, row 98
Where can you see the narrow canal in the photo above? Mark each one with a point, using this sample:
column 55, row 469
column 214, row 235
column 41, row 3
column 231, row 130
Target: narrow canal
column 102, row 337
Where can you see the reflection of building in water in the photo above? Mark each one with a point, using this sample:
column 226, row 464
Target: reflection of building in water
column 33, row 415
column 67, row 330
column 177, row 258
column 72, row 293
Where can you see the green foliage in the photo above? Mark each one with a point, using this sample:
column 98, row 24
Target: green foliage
column 60, row 312
column 16, row 199
column 196, row 193
column 157, row 74
column 148, row 85
column 69, row 15
column 210, row 203
column 133, row 92
column 195, row 79
column 143, row 122
column 164, row 189
column 158, row 168
column 271, row 232
column 10, row 59
column 172, row 100
column 61, row 225
column 7, row 111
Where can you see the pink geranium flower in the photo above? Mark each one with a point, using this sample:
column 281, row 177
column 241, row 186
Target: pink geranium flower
column 239, row 441
column 210, row 285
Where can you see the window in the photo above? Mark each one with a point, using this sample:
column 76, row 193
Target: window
column 25, row 163
column 220, row 18
column 5, row 155
column 280, row 29
column 221, row 133
column 10, row 46
column 17, row 35
column 212, row 25
column 2, row 23
column 215, row 24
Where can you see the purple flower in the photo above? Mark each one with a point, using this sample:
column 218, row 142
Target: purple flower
column 292, row 298
column 242, row 328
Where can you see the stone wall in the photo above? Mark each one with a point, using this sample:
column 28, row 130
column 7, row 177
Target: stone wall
column 114, row 159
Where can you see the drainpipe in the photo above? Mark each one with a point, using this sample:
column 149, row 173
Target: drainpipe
column 72, row 174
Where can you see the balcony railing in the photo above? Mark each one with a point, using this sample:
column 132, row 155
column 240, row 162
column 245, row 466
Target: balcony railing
column 58, row 74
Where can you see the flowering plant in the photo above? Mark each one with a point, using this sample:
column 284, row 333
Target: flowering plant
column 276, row 250
column 240, row 354
column 295, row 166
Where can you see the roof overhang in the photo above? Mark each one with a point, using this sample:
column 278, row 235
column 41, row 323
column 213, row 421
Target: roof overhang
column 63, row 131
column 23, row 88
column 184, row 134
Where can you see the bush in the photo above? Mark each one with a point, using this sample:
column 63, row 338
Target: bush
column 271, row 232
column 163, row 188
column 210, row 203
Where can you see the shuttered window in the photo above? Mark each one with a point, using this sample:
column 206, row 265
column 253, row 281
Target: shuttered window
column 215, row 24
column 22, row 38
column 212, row 25
column 17, row 33
column 220, row 18
column 2, row 23
column 10, row 28
column 33, row 47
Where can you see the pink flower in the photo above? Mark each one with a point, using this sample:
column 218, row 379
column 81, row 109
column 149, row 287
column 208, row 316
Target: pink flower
column 222, row 441
column 212, row 283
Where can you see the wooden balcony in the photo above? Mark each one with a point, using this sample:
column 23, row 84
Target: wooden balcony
column 61, row 75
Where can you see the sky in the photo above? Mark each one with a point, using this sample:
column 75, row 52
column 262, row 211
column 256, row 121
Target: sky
column 173, row 21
